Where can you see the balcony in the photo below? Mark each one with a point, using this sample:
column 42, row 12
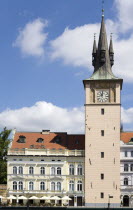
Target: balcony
column 46, row 152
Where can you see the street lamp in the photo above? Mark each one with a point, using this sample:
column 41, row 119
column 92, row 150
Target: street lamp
column 110, row 196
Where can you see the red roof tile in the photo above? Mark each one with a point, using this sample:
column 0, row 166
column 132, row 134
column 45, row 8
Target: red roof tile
column 66, row 141
column 126, row 136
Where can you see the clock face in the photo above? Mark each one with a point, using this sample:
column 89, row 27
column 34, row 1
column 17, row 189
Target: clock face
column 103, row 96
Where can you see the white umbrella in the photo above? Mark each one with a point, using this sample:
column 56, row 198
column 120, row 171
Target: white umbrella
column 1, row 196
column 66, row 198
column 44, row 198
column 55, row 198
column 33, row 198
column 11, row 197
column 22, row 198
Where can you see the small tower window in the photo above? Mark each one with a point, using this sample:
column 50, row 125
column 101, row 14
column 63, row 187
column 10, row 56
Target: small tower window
column 102, row 176
column 102, row 111
column 102, row 132
column 102, row 195
column 102, row 154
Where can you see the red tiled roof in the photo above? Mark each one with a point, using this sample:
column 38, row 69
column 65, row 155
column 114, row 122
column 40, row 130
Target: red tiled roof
column 66, row 141
column 126, row 136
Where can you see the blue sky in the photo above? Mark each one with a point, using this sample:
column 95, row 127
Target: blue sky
column 45, row 49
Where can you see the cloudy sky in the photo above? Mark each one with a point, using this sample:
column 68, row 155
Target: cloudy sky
column 45, row 53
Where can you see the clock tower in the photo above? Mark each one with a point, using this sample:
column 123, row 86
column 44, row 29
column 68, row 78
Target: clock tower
column 102, row 127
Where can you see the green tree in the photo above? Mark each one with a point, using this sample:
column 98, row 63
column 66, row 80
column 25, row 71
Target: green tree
column 4, row 143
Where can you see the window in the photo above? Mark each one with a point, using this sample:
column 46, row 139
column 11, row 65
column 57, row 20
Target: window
column 102, row 111
column 79, row 186
column 102, row 195
column 102, row 132
column 42, row 160
column 31, row 170
column 125, row 167
column 125, row 153
column 31, row 159
column 125, row 181
column 71, row 185
column 102, row 176
column 14, row 170
column 79, row 169
column 131, row 167
column 52, row 186
column 102, row 154
column 59, row 171
column 22, row 139
column 71, row 169
column 40, row 140
column 20, row 185
column 31, row 186
column 20, row 170
column 42, row 186
column 53, row 171
column 14, row 185
column 42, row 170
column 131, row 153
column 58, row 186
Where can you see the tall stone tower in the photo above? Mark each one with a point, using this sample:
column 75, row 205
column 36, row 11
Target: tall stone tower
column 102, row 127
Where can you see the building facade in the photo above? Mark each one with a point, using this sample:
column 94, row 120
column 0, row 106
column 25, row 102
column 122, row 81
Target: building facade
column 94, row 169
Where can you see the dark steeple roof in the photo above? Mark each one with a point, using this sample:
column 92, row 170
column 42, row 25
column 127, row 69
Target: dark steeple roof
column 101, row 60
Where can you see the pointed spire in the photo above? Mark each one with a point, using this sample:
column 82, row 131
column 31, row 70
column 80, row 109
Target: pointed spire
column 111, row 51
column 102, row 59
column 94, row 45
column 94, row 52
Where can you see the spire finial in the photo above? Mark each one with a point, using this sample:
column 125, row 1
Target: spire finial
column 102, row 8
column 111, row 35
column 94, row 36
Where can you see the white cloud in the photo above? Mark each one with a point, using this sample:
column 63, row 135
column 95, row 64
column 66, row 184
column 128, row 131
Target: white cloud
column 125, row 14
column 44, row 115
column 31, row 38
column 127, row 116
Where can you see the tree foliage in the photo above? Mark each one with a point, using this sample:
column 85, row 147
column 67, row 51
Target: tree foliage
column 4, row 143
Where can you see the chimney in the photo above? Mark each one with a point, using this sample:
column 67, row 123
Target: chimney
column 45, row 132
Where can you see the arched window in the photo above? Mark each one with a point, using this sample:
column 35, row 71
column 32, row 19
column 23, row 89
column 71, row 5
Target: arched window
column 42, row 170
column 58, row 186
column 31, row 170
column 14, row 170
column 42, row 186
column 59, row 170
column 53, row 171
column 79, row 186
column 52, row 186
column 20, row 170
column 131, row 167
column 31, row 186
column 14, row 185
column 71, row 169
column 79, row 169
column 71, row 185
column 125, row 181
column 20, row 185
column 125, row 167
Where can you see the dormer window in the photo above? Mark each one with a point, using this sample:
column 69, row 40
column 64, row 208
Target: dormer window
column 57, row 140
column 32, row 146
column 22, row 139
column 40, row 140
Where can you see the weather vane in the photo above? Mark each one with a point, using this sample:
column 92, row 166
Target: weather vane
column 111, row 35
column 102, row 7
